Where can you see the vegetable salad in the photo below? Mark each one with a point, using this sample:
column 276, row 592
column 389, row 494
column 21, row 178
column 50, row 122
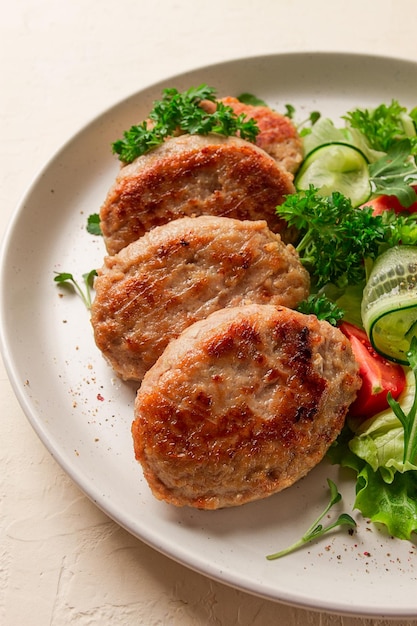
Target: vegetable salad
column 355, row 209
column 357, row 223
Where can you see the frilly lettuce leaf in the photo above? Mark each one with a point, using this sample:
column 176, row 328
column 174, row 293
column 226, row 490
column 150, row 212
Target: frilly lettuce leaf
column 348, row 299
column 350, row 303
column 380, row 440
column 359, row 140
column 324, row 131
column 392, row 504
column 386, row 488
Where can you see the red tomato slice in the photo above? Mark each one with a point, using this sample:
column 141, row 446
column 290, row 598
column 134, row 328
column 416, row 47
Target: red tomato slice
column 379, row 376
column 384, row 203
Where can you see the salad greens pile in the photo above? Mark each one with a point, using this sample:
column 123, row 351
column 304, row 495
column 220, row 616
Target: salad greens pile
column 382, row 451
column 385, row 125
column 338, row 243
column 389, row 150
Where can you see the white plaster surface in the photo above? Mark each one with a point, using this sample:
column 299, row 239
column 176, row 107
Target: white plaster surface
column 62, row 561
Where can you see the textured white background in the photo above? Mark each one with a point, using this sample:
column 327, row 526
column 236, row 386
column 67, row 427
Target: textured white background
column 62, row 561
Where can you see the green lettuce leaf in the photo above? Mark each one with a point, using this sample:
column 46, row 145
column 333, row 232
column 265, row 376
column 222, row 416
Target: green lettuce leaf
column 392, row 504
column 348, row 299
column 324, row 131
column 350, row 302
column 380, row 440
column 386, row 487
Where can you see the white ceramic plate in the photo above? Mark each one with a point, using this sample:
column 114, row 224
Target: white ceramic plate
column 83, row 413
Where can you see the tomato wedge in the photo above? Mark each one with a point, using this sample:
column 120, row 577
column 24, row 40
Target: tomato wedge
column 389, row 203
column 379, row 376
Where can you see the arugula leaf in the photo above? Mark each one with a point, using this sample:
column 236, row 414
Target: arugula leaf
column 409, row 420
column 181, row 112
column 322, row 307
column 66, row 278
column 316, row 529
column 93, row 224
column 393, row 173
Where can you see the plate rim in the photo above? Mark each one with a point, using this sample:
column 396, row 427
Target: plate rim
column 7, row 352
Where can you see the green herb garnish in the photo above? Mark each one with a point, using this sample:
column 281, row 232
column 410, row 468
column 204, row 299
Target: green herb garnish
column 303, row 127
column 93, row 224
column 65, row 278
column 334, row 236
column 322, row 307
column 181, row 112
column 336, row 239
column 408, row 420
column 290, row 111
column 400, row 229
column 385, row 125
column 317, row 530
column 249, row 98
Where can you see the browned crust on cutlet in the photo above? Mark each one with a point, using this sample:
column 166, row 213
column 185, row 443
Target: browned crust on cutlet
column 242, row 405
column 277, row 134
column 193, row 175
column 180, row 272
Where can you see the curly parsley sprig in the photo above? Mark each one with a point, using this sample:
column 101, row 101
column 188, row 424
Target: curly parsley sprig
column 384, row 125
column 322, row 307
column 334, row 236
column 180, row 112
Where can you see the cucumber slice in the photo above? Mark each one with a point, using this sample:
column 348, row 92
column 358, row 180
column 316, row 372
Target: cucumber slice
column 339, row 167
column 389, row 303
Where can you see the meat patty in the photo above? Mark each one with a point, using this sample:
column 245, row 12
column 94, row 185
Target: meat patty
column 192, row 175
column 242, row 405
column 180, row 272
column 277, row 134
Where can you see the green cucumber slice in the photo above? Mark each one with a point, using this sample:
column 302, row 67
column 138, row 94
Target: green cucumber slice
column 389, row 303
column 339, row 167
